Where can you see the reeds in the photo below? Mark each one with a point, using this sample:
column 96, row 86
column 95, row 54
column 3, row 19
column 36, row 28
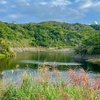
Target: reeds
column 77, row 85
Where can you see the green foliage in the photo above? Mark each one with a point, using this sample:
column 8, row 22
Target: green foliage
column 76, row 86
column 91, row 45
column 51, row 34
column 96, row 27
column 2, row 56
column 5, row 49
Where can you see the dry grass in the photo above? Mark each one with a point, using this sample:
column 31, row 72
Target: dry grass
column 94, row 60
column 77, row 85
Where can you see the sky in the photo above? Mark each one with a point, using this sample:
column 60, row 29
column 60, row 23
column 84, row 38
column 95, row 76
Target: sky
column 70, row 11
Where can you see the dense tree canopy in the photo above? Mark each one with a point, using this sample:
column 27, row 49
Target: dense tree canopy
column 52, row 34
column 5, row 49
column 90, row 45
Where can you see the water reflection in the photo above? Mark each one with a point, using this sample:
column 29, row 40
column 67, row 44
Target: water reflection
column 16, row 75
column 62, row 60
column 50, row 63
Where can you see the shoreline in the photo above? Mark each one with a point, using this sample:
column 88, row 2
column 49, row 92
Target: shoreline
column 86, row 57
column 32, row 49
column 78, row 57
column 95, row 59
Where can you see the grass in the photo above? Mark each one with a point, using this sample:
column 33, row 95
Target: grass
column 94, row 60
column 76, row 86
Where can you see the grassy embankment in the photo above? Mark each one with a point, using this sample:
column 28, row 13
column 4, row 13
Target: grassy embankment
column 76, row 86
column 94, row 60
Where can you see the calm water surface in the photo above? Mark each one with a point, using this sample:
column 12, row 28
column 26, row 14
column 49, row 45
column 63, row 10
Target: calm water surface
column 29, row 61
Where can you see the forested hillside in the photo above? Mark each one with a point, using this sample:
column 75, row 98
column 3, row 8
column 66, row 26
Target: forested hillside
column 5, row 50
column 51, row 34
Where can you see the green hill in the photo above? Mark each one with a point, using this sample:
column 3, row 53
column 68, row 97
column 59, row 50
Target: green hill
column 49, row 34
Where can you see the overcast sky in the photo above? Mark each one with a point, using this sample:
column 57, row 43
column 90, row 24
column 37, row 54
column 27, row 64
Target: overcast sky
column 71, row 11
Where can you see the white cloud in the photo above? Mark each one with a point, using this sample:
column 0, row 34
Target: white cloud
column 3, row 2
column 96, row 5
column 13, row 6
column 14, row 16
column 48, row 9
column 85, row 4
column 23, row 0
column 51, row 10
column 60, row 2
column 43, row 3
column 78, row 1
column 27, row 4
column 55, row 2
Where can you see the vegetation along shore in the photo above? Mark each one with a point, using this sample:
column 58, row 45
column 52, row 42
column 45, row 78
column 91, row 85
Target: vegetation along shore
column 5, row 50
column 85, row 39
column 75, row 86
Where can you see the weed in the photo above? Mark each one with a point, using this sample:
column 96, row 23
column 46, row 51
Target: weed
column 77, row 86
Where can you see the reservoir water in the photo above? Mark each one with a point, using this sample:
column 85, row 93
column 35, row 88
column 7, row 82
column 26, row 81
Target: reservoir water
column 29, row 61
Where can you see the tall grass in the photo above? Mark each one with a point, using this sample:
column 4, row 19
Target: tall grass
column 76, row 86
